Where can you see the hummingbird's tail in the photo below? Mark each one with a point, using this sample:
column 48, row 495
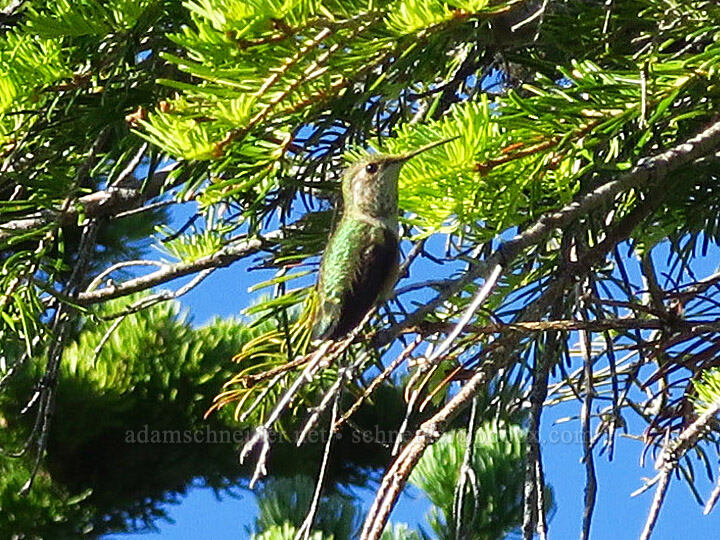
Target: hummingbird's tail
column 327, row 316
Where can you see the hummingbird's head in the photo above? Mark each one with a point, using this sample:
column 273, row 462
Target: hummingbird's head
column 370, row 186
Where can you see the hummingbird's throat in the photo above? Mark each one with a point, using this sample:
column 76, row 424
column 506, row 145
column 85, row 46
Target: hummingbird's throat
column 377, row 201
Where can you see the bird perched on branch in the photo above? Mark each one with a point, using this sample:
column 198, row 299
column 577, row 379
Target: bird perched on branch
column 360, row 264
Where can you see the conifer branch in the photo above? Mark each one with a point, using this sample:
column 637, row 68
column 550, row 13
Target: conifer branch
column 648, row 173
column 649, row 170
column 108, row 203
column 219, row 259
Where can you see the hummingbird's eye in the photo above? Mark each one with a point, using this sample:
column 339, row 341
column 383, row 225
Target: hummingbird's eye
column 371, row 168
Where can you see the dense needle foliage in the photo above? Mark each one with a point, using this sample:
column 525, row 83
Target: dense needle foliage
column 555, row 251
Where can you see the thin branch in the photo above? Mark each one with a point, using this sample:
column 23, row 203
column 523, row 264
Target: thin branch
column 566, row 325
column 344, row 373
column 542, row 526
column 130, row 167
column 658, row 498
column 219, row 259
column 105, row 338
column 147, row 208
column 433, row 359
column 396, row 476
column 316, row 362
column 647, row 485
column 533, row 503
column 668, row 460
column 278, row 73
column 688, row 437
column 33, row 221
column 60, row 327
column 648, row 171
column 479, row 299
column 693, row 289
column 306, row 528
column 537, row 14
column 585, row 417
column 258, row 400
column 466, row 473
column 262, row 432
column 124, row 264
column 409, row 409
column 144, row 303
column 713, row 499
column 100, row 204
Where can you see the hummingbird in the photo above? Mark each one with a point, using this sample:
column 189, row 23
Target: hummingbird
column 360, row 263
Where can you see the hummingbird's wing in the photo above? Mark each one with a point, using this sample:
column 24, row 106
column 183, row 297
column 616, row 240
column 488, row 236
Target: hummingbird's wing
column 357, row 266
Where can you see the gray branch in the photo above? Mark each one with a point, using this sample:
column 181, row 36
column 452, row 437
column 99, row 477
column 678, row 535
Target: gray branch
column 100, row 204
column 222, row 258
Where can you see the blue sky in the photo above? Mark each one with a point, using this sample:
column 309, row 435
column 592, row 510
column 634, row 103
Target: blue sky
column 201, row 515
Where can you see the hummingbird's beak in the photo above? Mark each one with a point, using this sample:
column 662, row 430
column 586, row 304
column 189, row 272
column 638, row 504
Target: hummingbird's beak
column 402, row 158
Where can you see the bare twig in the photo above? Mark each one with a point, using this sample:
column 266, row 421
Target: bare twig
column 398, row 473
column 585, row 416
column 533, row 503
column 117, row 266
column 480, row 297
column 647, row 485
column 269, row 388
column 316, row 361
column 306, row 528
column 262, row 432
column 648, row 171
column 409, row 409
column 542, row 527
column 713, row 499
column 162, row 296
column 147, row 208
column 106, row 336
column 394, row 479
column 344, row 374
column 433, row 359
column 100, row 204
column 130, row 167
column 668, row 460
column 467, row 473
column 60, row 326
column 144, row 303
column 537, row 14
column 658, row 498
column 221, row 258
column 567, row 325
